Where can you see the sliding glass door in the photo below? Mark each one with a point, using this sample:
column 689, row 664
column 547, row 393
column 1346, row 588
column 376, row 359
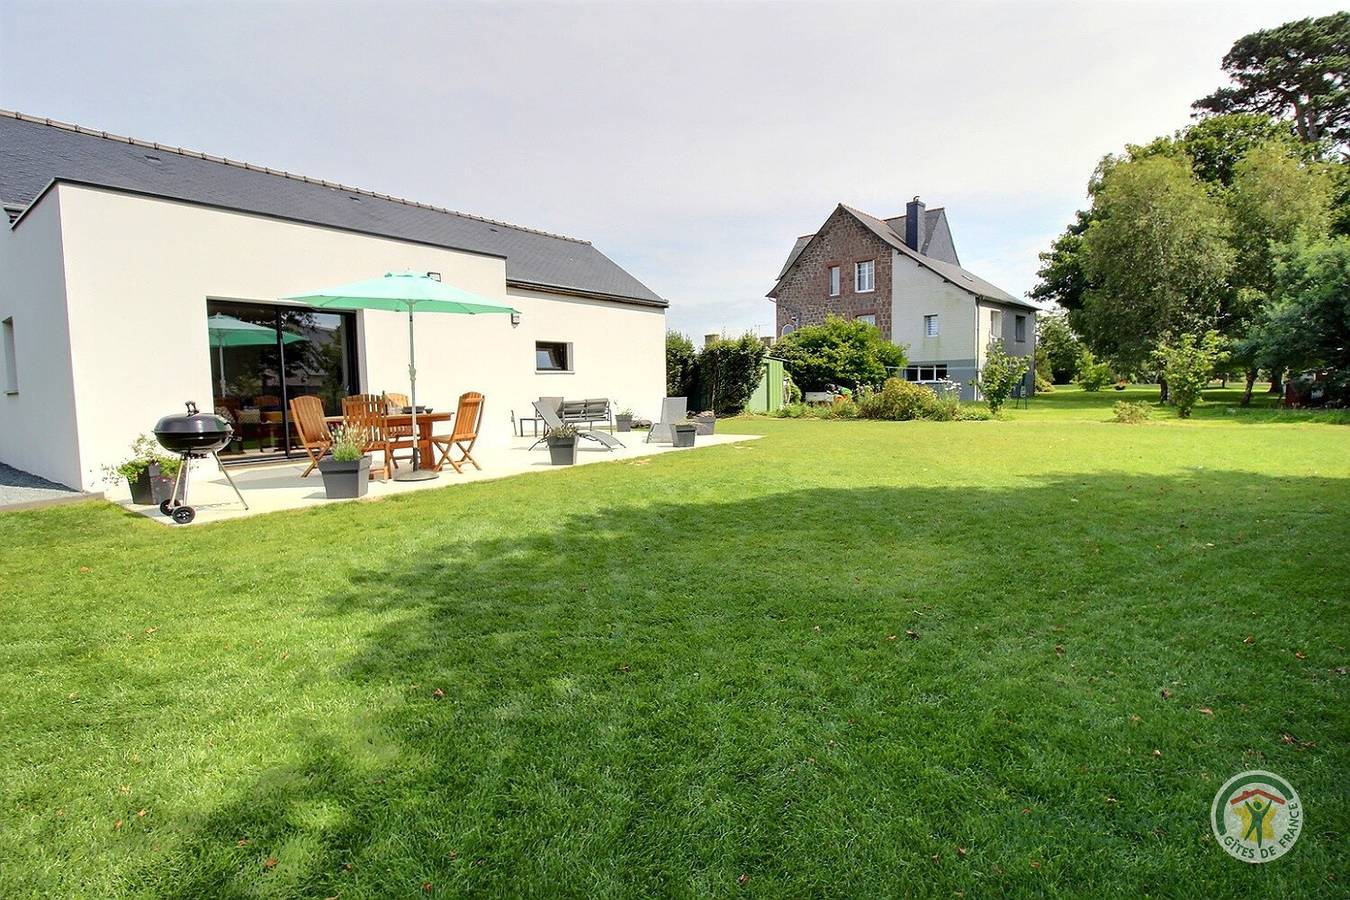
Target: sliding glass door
column 262, row 356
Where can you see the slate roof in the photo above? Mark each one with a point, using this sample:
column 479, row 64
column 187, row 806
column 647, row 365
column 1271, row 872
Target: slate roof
column 948, row 271
column 34, row 152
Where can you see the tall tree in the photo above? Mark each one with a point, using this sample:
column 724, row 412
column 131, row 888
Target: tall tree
column 1298, row 69
column 1060, row 346
column 1157, row 257
column 1276, row 197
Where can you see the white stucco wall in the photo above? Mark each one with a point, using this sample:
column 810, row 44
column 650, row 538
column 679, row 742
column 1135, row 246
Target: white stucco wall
column 37, row 424
column 917, row 292
column 139, row 272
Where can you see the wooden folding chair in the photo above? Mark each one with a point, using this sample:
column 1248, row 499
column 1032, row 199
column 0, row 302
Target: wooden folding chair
column 368, row 414
column 307, row 417
column 398, row 403
column 463, row 435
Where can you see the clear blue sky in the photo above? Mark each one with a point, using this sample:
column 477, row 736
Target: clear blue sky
column 690, row 142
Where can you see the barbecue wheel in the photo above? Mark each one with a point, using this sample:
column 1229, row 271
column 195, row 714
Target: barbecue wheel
column 183, row 515
column 166, row 507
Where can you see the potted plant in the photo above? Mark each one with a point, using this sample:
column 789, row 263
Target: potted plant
column 346, row 473
column 562, row 445
column 149, row 472
column 623, row 420
column 704, row 422
column 683, row 433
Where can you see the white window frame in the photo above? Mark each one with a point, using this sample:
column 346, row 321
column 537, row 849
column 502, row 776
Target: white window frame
column 871, row 270
column 11, row 357
column 836, row 280
column 930, row 325
column 995, row 325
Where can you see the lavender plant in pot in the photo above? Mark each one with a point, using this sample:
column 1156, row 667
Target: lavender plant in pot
column 623, row 420
column 562, row 445
column 149, row 472
column 704, row 422
column 346, row 472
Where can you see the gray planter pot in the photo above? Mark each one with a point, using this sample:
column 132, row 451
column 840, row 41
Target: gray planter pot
column 684, row 435
column 704, row 424
column 623, row 423
column 151, row 488
column 345, row 480
column 562, row 451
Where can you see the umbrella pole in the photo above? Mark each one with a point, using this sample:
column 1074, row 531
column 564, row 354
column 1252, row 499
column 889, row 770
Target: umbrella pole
column 220, row 355
column 417, row 473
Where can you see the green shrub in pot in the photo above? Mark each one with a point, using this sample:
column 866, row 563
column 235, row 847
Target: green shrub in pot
column 150, row 472
column 562, row 445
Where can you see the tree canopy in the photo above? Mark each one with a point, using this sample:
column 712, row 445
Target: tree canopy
column 846, row 353
column 1297, row 70
column 1157, row 257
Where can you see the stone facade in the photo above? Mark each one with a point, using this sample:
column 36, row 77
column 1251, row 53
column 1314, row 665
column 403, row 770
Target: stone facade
column 803, row 297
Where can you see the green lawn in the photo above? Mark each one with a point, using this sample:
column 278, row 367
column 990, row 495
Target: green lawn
column 847, row 659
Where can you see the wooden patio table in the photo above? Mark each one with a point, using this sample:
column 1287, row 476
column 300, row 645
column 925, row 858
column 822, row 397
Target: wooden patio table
column 426, row 423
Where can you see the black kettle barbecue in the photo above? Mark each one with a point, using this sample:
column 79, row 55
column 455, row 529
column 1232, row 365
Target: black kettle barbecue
column 194, row 435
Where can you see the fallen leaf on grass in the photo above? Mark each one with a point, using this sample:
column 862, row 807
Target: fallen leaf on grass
column 961, row 852
column 743, row 878
column 85, row 570
column 890, row 637
column 270, row 862
column 1157, row 754
column 1249, row 639
column 117, row 826
column 151, row 630
column 1205, row 710
column 911, row 634
column 438, row 693
column 1299, row 654
column 1135, row 718
column 141, row 814
column 1286, row 738
column 1166, row 693
column 1059, row 649
column 1035, row 863
column 242, row 842
column 426, row 887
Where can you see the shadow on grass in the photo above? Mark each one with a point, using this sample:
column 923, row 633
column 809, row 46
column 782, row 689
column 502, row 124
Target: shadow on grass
column 828, row 690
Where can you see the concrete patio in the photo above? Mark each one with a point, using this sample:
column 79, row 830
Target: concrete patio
column 278, row 486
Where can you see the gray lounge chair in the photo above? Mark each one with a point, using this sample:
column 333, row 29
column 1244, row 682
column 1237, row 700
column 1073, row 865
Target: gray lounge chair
column 552, row 420
column 673, row 409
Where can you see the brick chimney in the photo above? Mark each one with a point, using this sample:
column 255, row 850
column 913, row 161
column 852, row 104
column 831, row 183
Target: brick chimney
column 914, row 224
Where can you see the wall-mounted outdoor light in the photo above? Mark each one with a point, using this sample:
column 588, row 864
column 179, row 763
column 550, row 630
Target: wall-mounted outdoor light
column 434, row 276
column 515, row 317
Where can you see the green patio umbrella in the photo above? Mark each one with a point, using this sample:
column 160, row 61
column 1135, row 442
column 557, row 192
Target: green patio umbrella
column 408, row 292
column 227, row 331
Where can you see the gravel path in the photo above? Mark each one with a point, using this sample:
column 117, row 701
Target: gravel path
column 19, row 487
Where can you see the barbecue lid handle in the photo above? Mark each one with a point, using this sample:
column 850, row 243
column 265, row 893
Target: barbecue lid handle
column 191, row 408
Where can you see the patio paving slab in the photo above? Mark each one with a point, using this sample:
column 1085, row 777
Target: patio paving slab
column 278, row 486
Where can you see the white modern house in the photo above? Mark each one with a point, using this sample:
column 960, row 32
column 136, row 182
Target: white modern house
column 118, row 250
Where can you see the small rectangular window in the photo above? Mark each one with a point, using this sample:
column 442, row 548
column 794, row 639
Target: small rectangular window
column 834, row 281
column 550, row 356
column 995, row 325
column 869, row 318
column 1020, row 329
column 930, row 326
column 864, row 276
column 11, row 361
